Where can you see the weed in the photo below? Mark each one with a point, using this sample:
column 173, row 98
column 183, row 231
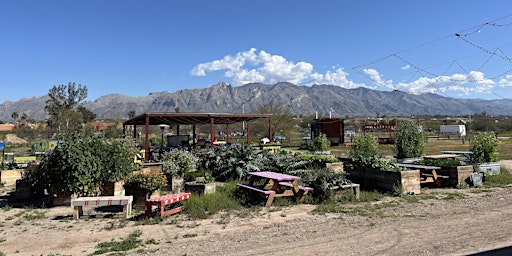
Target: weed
column 129, row 243
column 453, row 196
column 189, row 235
column 370, row 196
column 2, row 240
column 34, row 215
column 224, row 199
column 7, row 208
column 152, row 241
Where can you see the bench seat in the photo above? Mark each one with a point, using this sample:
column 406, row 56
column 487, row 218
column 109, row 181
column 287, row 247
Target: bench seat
column 257, row 189
column 79, row 203
column 161, row 202
column 287, row 184
column 431, row 175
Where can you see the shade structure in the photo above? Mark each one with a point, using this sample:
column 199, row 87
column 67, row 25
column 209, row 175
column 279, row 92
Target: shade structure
column 148, row 119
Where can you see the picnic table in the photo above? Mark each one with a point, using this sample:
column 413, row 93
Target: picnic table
column 468, row 155
column 275, row 185
column 428, row 174
column 441, row 156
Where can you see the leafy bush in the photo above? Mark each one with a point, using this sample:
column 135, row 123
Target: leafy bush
column 320, row 143
column 319, row 158
column 409, row 140
column 233, row 163
column 82, row 163
column 147, row 182
column 485, row 148
column 177, row 162
column 439, row 162
column 363, row 152
column 322, row 181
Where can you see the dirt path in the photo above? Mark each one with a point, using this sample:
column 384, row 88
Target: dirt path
column 442, row 222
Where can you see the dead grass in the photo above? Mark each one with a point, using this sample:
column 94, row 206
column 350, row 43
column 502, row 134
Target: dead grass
column 435, row 146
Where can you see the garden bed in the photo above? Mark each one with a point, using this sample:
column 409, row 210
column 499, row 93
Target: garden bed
column 387, row 180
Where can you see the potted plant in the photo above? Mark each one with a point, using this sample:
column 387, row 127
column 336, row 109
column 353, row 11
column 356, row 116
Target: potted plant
column 175, row 164
column 142, row 184
column 485, row 153
column 199, row 182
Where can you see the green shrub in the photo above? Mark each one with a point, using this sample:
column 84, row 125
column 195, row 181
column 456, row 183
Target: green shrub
column 363, row 152
column 409, row 140
column 177, row 162
column 485, row 148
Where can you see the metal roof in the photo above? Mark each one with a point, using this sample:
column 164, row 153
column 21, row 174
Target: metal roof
column 193, row 118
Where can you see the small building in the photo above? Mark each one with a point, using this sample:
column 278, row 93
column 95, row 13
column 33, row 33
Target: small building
column 333, row 128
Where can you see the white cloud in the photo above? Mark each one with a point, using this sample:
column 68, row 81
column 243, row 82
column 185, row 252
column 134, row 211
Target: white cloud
column 505, row 82
column 252, row 66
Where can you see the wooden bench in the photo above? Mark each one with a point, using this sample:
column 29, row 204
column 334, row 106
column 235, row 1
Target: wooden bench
column 257, row 189
column 79, row 203
column 356, row 188
column 287, row 184
column 158, row 205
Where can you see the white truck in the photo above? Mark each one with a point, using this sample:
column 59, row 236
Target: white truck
column 458, row 130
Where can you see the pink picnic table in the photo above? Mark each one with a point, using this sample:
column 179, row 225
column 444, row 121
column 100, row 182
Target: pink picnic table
column 276, row 185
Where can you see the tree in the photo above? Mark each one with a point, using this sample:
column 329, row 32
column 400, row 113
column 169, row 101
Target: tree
column 409, row 140
column 14, row 116
column 24, row 117
column 131, row 114
column 282, row 121
column 87, row 115
column 62, row 102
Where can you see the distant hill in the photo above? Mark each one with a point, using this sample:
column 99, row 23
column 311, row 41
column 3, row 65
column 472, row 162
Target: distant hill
column 304, row 100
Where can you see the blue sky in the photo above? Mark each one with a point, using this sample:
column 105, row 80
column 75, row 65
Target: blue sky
column 138, row 47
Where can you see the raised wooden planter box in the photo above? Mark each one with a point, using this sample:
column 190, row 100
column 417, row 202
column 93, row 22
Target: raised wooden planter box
column 386, row 180
column 9, row 177
column 199, row 188
column 457, row 175
column 25, row 191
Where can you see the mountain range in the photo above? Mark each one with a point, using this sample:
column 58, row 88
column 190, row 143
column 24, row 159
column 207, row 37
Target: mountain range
column 304, row 100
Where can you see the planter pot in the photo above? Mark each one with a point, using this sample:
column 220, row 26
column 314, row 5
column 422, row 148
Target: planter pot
column 62, row 199
column 140, row 197
column 174, row 182
column 199, row 188
column 387, row 180
column 488, row 168
column 113, row 189
column 457, row 175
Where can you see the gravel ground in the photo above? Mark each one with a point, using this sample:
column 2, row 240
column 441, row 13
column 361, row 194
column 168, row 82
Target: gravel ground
column 437, row 222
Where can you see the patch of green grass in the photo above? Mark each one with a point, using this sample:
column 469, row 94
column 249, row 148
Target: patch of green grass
column 370, row 196
column 501, row 179
column 129, row 243
column 224, row 199
column 454, row 196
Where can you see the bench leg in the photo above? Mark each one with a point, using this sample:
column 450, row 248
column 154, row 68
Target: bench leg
column 356, row 191
column 77, row 212
column 126, row 211
column 269, row 200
